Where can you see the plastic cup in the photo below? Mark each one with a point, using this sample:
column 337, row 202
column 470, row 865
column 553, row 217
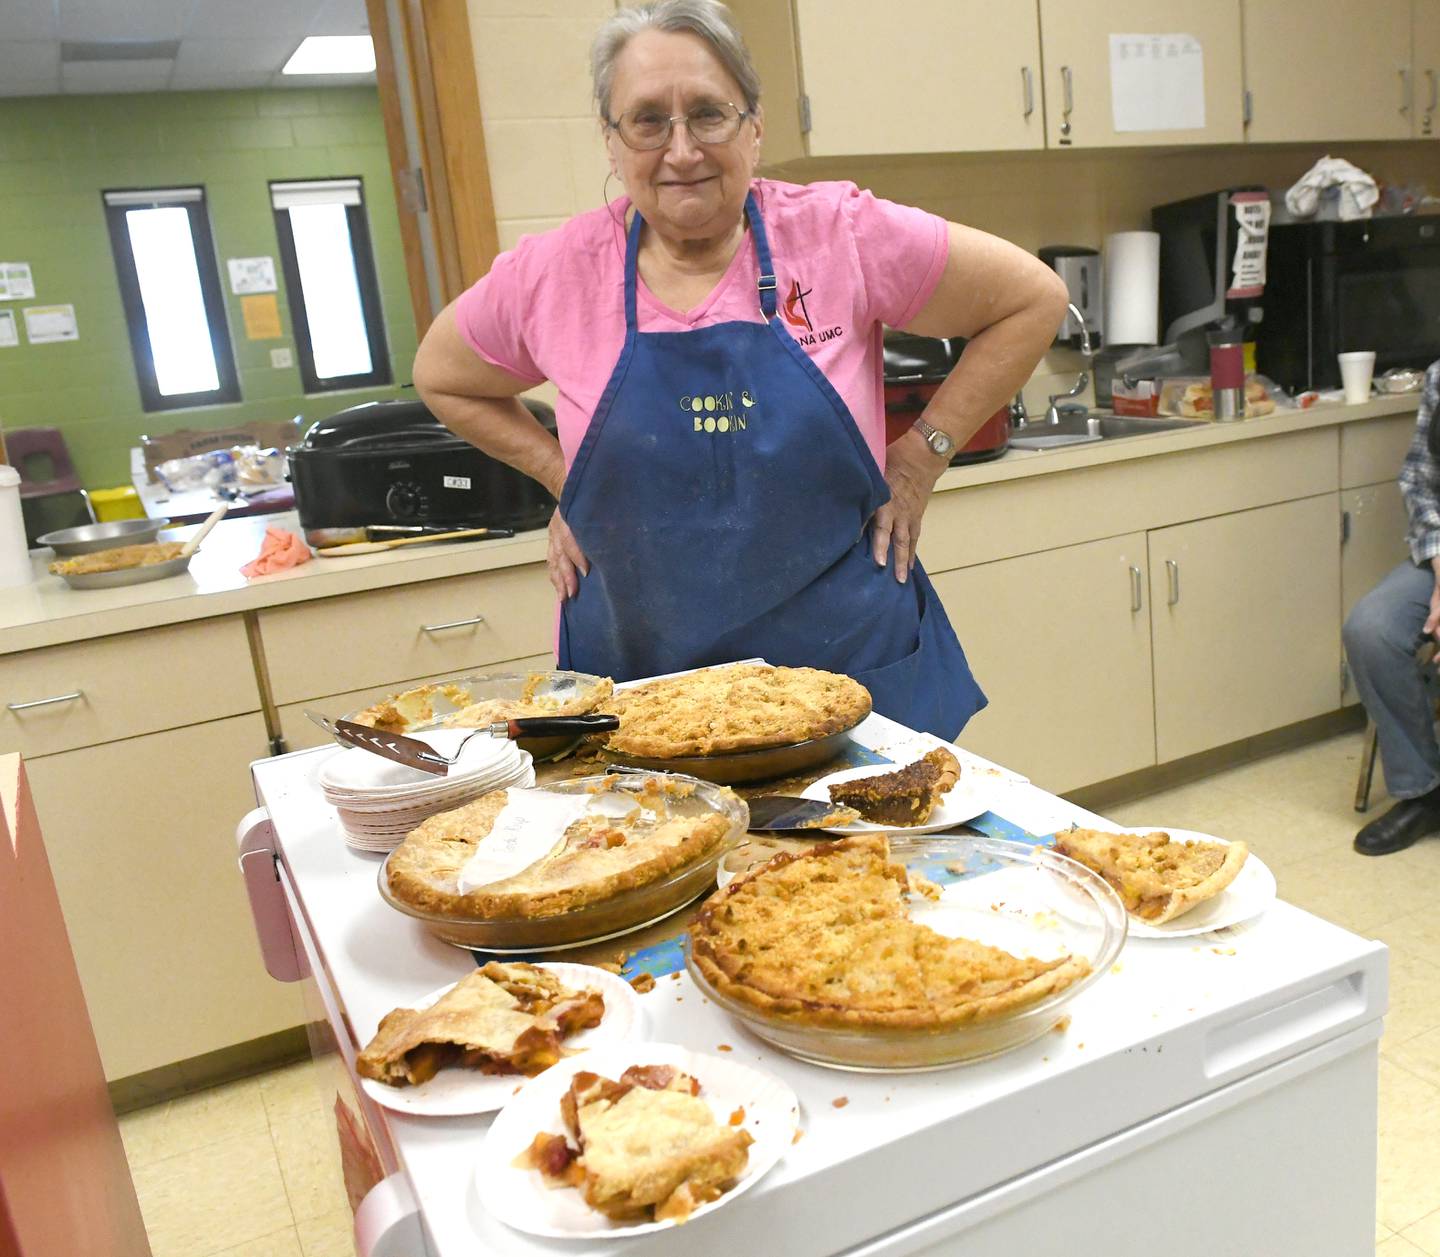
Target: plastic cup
column 1355, row 372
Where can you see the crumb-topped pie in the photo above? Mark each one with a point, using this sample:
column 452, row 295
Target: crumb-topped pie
column 736, row 708
column 645, row 1147
column 422, row 706
column 1157, row 878
column 591, row 841
column 906, row 796
column 824, row 938
column 501, row 1019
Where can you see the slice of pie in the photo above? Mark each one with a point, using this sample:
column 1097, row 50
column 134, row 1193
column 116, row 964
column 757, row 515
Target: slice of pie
column 1157, row 878
column 415, row 709
column 502, row 1019
column 743, row 707
column 646, row 1147
column 825, row 938
column 905, row 797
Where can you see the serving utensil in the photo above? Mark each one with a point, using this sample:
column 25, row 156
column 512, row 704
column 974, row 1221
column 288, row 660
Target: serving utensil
column 374, row 547
column 414, row 753
column 775, row 813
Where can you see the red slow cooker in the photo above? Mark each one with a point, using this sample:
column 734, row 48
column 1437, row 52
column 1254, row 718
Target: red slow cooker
column 915, row 366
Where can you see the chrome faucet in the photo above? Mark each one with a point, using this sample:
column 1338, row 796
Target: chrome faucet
column 1087, row 350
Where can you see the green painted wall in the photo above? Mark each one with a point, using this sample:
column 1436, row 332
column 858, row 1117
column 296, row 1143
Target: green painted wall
column 57, row 153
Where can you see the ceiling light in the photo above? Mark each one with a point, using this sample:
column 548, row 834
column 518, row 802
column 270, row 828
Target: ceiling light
column 332, row 54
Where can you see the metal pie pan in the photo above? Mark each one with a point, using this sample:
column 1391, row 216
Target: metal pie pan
column 738, row 767
column 126, row 575
column 88, row 538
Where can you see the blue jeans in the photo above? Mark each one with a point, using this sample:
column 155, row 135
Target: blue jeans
column 1382, row 635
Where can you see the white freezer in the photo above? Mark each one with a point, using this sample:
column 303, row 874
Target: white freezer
column 1213, row 1096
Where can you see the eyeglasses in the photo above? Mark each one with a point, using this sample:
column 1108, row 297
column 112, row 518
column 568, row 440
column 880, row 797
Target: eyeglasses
column 645, row 128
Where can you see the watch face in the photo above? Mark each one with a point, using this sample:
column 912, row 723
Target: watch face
column 940, row 442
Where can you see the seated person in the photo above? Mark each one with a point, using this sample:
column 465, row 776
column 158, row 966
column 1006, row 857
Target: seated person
column 1383, row 633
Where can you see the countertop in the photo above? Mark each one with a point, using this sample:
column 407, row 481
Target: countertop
column 47, row 612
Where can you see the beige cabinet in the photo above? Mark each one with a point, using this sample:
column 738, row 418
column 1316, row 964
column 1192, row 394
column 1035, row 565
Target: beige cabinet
column 141, row 839
column 1079, row 104
column 1245, row 615
column 1060, row 642
column 1373, row 527
column 1426, row 67
column 1329, row 70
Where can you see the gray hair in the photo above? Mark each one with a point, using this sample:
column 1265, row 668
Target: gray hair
column 708, row 19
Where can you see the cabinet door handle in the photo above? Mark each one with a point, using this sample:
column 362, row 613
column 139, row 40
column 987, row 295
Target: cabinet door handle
column 45, row 702
column 1028, row 85
column 1434, row 91
column 1407, row 97
column 449, row 624
column 1067, row 87
column 1172, row 577
column 1136, row 597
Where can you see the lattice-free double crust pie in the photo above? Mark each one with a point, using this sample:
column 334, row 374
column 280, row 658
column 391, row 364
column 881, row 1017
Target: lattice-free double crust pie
column 1157, row 878
column 502, row 1019
column 644, row 1147
column 602, row 856
column 824, row 938
column 744, row 707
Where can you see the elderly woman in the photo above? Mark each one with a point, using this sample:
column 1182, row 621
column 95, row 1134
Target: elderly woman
column 724, row 484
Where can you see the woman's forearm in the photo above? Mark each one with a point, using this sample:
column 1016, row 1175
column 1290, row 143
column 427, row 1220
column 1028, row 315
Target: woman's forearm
column 503, row 428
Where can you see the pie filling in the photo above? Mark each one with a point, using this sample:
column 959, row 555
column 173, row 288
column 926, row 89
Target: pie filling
column 907, row 796
column 1156, row 877
column 645, row 1147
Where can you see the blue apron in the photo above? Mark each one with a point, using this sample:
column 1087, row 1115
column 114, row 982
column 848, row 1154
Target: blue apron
column 721, row 495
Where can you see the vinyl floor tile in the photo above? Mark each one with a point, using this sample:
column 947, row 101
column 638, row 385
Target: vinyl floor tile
column 1414, row 997
column 191, row 1122
column 332, row 1235
column 307, row 1149
column 1409, row 1188
column 1399, row 1246
column 284, row 1243
column 1426, row 1234
column 292, row 1090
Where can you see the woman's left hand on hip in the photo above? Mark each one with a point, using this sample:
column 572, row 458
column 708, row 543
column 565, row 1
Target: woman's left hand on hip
column 911, row 470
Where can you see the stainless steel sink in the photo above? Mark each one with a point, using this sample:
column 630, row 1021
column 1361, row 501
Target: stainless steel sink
column 1074, row 429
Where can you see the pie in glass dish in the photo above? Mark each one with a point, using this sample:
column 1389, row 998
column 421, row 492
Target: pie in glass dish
column 824, row 938
column 501, row 1019
column 1157, row 878
column 644, row 1148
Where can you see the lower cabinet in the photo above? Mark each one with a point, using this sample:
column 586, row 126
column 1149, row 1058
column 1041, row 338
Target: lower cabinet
column 1060, row 642
column 141, row 839
column 1374, row 532
column 1245, row 616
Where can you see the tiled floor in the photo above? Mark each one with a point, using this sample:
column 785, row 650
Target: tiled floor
column 249, row 1170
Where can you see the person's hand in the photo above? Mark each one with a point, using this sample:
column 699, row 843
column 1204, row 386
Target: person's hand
column 565, row 559
column 1432, row 621
column 911, row 470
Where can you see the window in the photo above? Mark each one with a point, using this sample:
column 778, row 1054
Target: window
column 170, row 288
column 330, row 278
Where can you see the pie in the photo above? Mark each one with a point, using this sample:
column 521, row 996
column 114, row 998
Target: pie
column 502, row 1019
column 905, row 797
column 1157, row 878
column 413, row 709
column 825, row 938
column 117, row 558
column 737, row 708
column 646, row 1147
column 598, row 856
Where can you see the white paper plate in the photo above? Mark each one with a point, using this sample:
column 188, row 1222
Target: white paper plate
column 520, row 1199
column 459, row 1092
column 355, row 771
column 1250, row 894
column 963, row 802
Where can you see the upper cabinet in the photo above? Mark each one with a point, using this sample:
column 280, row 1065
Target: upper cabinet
column 1080, row 101
column 1331, row 70
column 1427, row 68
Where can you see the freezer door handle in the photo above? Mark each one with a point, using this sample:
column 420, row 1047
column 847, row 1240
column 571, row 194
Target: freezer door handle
column 1251, row 1041
column 387, row 1223
column 255, row 837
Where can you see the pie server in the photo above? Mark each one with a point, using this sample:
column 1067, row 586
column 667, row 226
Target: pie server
column 417, row 754
column 769, row 812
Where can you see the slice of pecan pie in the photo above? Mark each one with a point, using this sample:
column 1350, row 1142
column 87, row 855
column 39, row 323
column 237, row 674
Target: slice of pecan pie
column 907, row 796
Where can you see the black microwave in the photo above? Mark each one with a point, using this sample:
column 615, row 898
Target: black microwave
column 1334, row 287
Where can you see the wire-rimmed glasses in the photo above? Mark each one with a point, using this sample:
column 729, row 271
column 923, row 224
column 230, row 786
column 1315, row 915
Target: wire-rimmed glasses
column 715, row 122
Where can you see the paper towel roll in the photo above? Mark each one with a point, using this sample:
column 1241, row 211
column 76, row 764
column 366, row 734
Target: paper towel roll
column 14, row 557
column 1132, row 288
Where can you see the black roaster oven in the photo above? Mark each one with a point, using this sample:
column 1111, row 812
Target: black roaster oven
column 395, row 464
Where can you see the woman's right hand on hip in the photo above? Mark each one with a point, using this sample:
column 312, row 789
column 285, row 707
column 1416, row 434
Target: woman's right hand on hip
column 567, row 562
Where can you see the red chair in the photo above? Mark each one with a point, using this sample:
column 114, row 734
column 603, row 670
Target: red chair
column 51, row 495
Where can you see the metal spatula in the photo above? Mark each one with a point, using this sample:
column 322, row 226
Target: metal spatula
column 771, row 812
column 417, row 754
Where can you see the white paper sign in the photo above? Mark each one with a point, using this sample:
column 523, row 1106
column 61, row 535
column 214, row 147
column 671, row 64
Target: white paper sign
column 1252, row 235
column 45, row 324
column 530, row 826
column 9, row 333
column 16, row 281
column 1157, row 82
column 251, row 274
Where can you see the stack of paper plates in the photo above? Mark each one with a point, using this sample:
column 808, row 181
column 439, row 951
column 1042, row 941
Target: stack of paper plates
column 380, row 801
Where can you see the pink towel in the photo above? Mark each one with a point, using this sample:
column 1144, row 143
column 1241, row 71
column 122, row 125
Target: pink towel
column 280, row 549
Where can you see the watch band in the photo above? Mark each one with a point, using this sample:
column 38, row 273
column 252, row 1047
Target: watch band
column 942, row 443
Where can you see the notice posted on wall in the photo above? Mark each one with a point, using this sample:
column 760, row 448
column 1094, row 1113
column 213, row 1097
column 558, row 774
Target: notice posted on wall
column 9, row 333
column 16, row 281
column 46, row 324
column 251, row 275
column 1157, row 82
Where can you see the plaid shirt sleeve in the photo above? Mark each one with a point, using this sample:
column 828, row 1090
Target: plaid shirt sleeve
column 1420, row 478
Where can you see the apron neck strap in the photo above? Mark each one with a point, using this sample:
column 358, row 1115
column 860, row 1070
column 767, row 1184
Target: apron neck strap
column 765, row 284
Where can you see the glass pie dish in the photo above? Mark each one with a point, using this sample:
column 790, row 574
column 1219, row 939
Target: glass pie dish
column 435, row 704
column 627, row 910
column 1029, row 901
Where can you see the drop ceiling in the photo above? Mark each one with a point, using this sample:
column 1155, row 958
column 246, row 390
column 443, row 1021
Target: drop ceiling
column 86, row 47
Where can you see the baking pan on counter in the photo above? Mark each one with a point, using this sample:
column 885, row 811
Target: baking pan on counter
column 89, row 538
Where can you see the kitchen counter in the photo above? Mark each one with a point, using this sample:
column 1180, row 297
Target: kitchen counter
column 48, row 612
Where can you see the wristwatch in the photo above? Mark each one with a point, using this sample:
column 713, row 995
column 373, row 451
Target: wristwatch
column 941, row 442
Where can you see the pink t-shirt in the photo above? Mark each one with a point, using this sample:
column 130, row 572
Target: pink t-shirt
column 846, row 263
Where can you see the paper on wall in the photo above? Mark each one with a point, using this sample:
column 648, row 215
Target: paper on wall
column 9, row 333
column 16, row 281
column 251, row 274
column 46, row 324
column 1157, row 82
